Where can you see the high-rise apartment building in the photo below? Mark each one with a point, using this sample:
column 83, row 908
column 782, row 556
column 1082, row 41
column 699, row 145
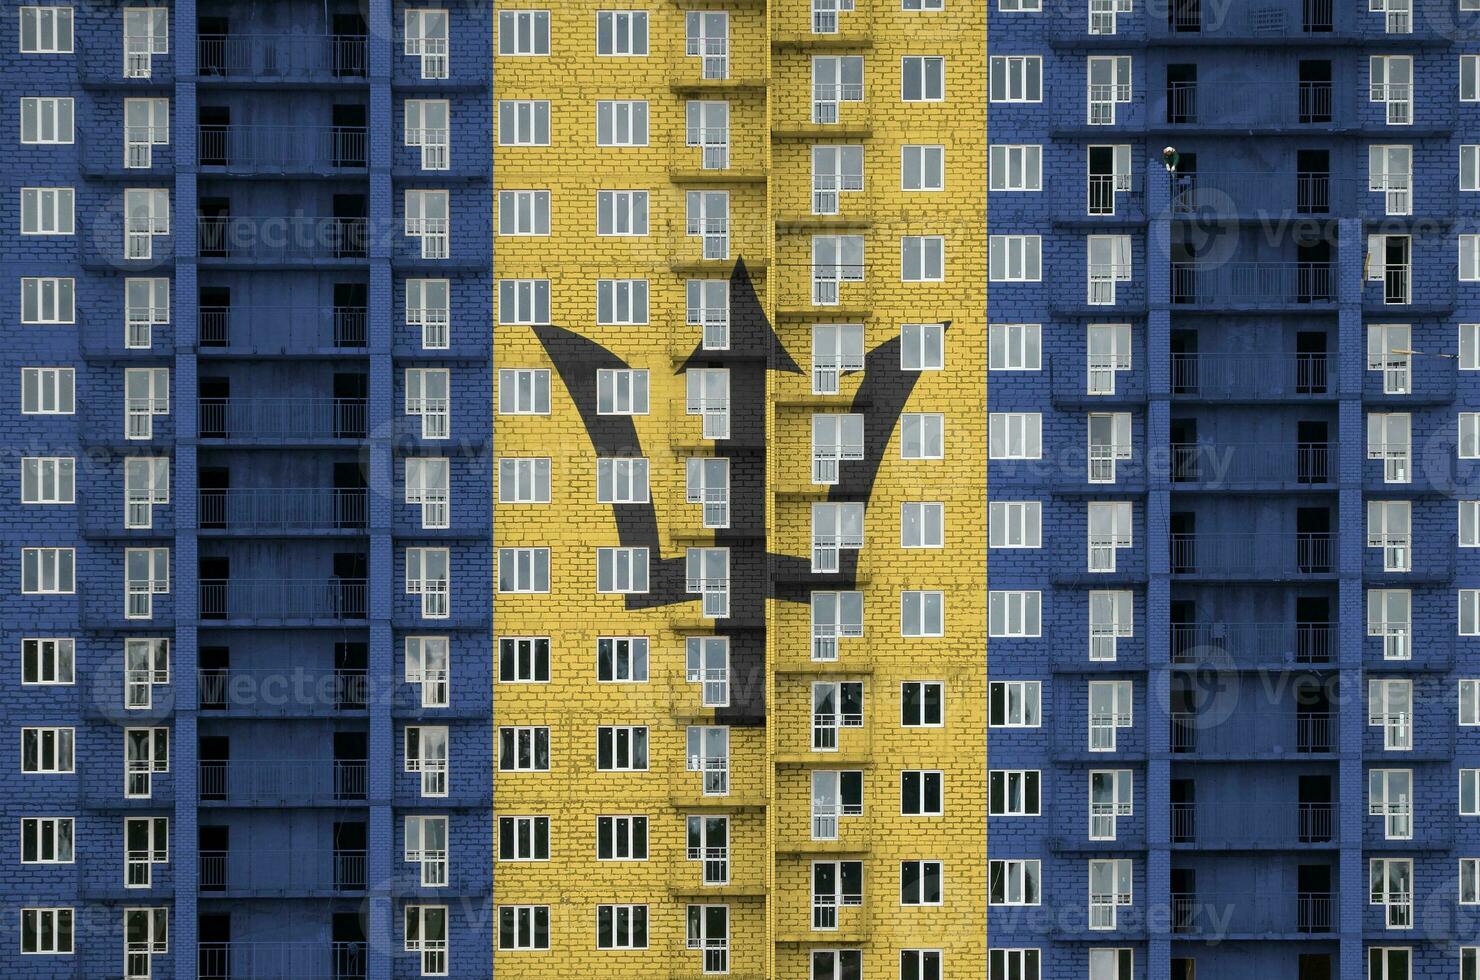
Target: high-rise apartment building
column 1232, row 610
column 740, row 449
column 246, row 571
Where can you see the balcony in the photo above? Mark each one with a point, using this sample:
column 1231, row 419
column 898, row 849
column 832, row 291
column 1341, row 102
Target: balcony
column 1252, row 645
column 1252, row 735
column 274, row 783
column 1251, row 826
column 282, row 420
column 1258, row 556
column 282, row 58
column 282, row 961
column 1254, row 465
column 288, row 240
column 1252, row 377
column 289, row 691
column 1213, row 916
column 1239, row 107
column 1309, row 21
column 1253, row 285
column 1221, row 196
column 305, row 600
column 281, row 873
column 281, row 150
column 326, row 510
column 283, row 330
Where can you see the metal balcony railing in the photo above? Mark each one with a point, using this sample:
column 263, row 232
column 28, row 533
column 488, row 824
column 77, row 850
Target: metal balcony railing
column 283, row 690
column 282, row 57
column 1252, row 193
column 282, row 418
column 1271, row 823
column 1253, row 284
column 1256, row 556
column 282, row 872
column 1253, row 733
column 282, row 329
column 281, row 149
column 281, row 238
column 1248, row 104
column 1223, row 464
column 283, row 598
column 239, row 960
column 1213, row 915
column 280, row 509
column 242, row 781
column 1252, row 643
column 1251, row 377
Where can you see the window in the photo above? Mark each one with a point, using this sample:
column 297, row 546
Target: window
column 708, row 484
column 622, row 480
column 146, row 663
column 524, row 391
column 1469, row 881
column 427, row 753
column 146, row 482
column 1110, row 709
column 1390, row 173
column 921, row 613
column 1390, row 796
column 622, row 838
column 1109, row 527
column 146, row 214
column 146, row 574
column 146, row 124
column 922, row 525
column 48, row 479
column 707, row 126
column 46, row 30
column 1111, row 616
column 621, row 748
column 146, row 393
column 709, row 930
column 47, row 840
column 1111, row 795
column 1013, row 882
column 1015, row 347
column 1016, row 78
column 1469, row 701
column 46, row 120
column 1109, row 85
column 622, row 213
column 621, row 927
column 709, row 309
column 1015, row 435
column 427, row 487
column 834, row 884
column 622, row 659
column 428, row 574
column 429, row 307
column 1387, row 351
column 1469, row 612
column 1015, row 704
column 922, row 435
column 1469, row 346
column 707, row 574
column 922, row 258
column 46, row 931
column 707, row 37
column 835, row 80
column 920, row 883
column 1015, row 258
column 1392, row 83
column 1013, row 614
column 426, row 931
column 621, row 570
column 1469, row 435
column 1013, row 964
column 1112, row 964
column 621, row 392
column 1013, row 792
column 522, row 212
column 922, row 167
column 1016, row 167
column 1109, row 441
column 523, row 481
column 1469, row 956
column 146, row 751
column 427, row 123
column 922, row 79
column 426, row 845
column 522, row 748
column 835, row 437
column 922, row 4
column 523, row 122
column 1389, row 261
column 836, row 170
column 921, row 964
column 47, row 391
column 145, row 934
column 48, row 660
column 1109, row 888
column 707, row 217
column 834, row 706
column 1390, row 439
column 708, row 753
column 837, row 964
column 1469, row 78
column 428, row 216
column 1392, row 888
column 835, row 259
column 834, row 615
column 1109, row 259
column 46, row 211
column 426, row 38
column 921, row 346
column 707, row 663
column 1015, row 524
column 524, row 569
column 837, row 348
column 1469, row 792
column 146, row 842
column 1389, row 527
column 922, row 704
column 835, row 528
column 920, row 793
column 523, row 32
column 48, row 571
column 48, row 300
column 524, row 659
column 146, row 32
column 708, row 391
column 621, row 123
column 622, row 33
column 47, row 750
column 835, row 794
column 622, row 302
column 1469, row 258
column 428, row 663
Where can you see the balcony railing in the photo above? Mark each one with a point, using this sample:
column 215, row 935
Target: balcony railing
column 1266, row 20
column 282, row 598
column 281, row 149
column 1222, row 464
column 282, row 329
column 1253, row 284
column 282, row 418
column 1243, row 105
column 1252, row 644
column 281, row 961
column 283, row 690
column 282, row 238
column 1252, row 733
column 282, row 872
column 1213, row 915
column 282, row 57
column 1272, row 824
column 241, row 781
column 1230, row 194
column 1257, row 556
column 284, row 509
column 1251, row 377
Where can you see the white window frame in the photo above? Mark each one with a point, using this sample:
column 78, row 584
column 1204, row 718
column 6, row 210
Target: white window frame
column 1016, row 78
column 429, row 306
column 523, row 122
column 1015, row 258
column 429, row 665
column 48, row 480
column 524, row 391
column 1019, row 881
column 622, row 659
column 625, row 31
column 631, row 758
column 48, row 300
column 622, row 214
column 434, row 770
column 621, row 302
column 625, row 836
column 621, row 391
column 621, row 571
column 922, row 167
column 428, row 482
column 62, row 751
column 46, row 30
column 48, row 660
column 1015, row 524
column 524, row 659
column 47, row 120
column 1015, row 167
column 426, row 38
column 427, row 125
column 48, row 211
column 922, row 78
column 1014, row 613
column 523, row 33
column 50, row 571
column 531, row 570
column 624, row 121
column 423, row 923
column 1385, row 799
column 48, row 840
column 422, row 566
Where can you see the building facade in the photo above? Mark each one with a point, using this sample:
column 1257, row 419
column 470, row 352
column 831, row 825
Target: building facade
column 247, row 259
column 739, row 693
column 1232, row 437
